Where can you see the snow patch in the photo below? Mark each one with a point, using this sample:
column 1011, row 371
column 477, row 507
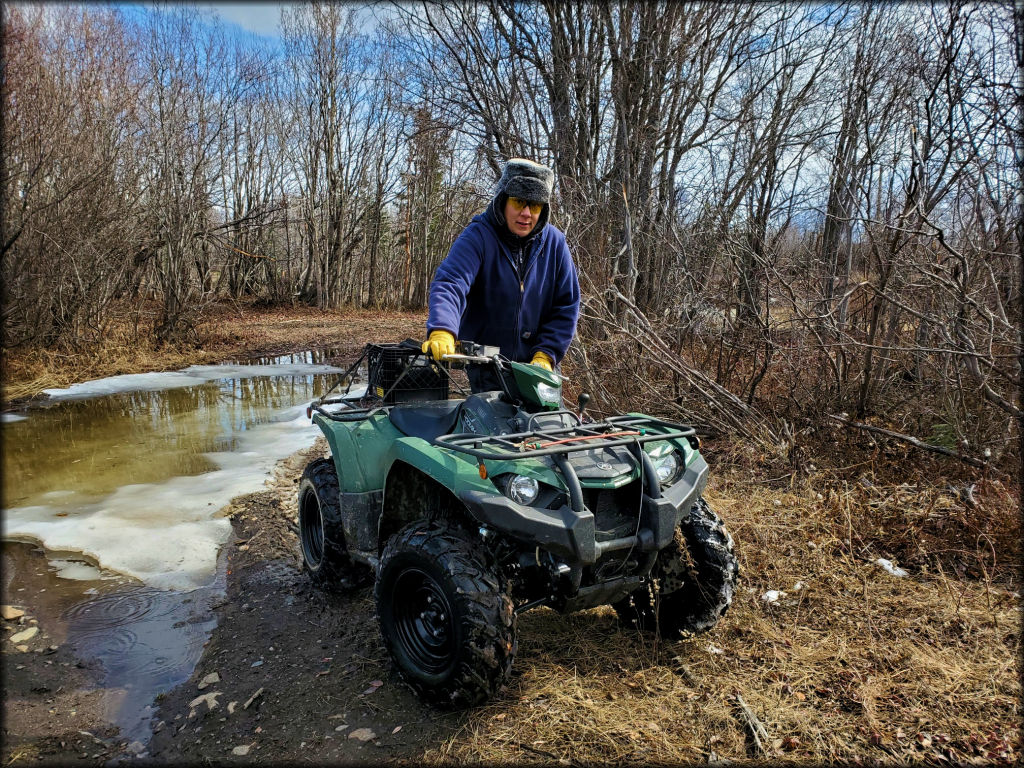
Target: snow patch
column 888, row 566
column 9, row 417
column 187, row 377
column 77, row 570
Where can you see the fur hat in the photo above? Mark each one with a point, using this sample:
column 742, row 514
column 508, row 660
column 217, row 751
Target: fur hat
column 527, row 180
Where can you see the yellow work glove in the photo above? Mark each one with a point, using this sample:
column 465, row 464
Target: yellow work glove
column 545, row 362
column 439, row 343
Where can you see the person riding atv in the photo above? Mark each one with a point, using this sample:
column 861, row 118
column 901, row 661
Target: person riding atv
column 469, row 511
column 508, row 280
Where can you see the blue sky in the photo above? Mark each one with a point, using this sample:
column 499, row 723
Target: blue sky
column 259, row 18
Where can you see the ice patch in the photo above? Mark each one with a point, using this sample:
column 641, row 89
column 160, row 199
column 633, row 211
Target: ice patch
column 888, row 565
column 187, row 377
column 8, row 417
column 167, row 534
column 77, row 570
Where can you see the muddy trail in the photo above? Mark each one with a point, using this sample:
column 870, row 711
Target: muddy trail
column 301, row 674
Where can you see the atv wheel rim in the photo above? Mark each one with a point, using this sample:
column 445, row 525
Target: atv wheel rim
column 312, row 531
column 423, row 621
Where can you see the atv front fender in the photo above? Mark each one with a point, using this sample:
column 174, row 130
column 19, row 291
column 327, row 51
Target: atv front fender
column 449, row 469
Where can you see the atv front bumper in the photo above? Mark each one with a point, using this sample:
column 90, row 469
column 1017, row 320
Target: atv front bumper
column 571, row 533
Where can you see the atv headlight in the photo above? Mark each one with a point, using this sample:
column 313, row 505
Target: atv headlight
column 522, row 489
column 549, row 393
column 667, row 466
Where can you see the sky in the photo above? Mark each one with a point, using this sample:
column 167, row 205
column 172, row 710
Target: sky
column 259, row 18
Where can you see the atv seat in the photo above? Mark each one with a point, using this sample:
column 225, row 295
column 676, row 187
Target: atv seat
column 426, row 420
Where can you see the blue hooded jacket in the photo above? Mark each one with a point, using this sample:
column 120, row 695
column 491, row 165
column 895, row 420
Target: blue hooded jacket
column 480, row 294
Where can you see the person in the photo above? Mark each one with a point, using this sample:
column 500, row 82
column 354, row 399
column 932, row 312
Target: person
column 508, row 281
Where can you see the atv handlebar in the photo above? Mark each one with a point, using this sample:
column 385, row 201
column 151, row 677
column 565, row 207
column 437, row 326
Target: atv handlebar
column 458, row 358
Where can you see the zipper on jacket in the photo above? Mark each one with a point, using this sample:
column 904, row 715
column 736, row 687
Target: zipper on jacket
column 522, row 290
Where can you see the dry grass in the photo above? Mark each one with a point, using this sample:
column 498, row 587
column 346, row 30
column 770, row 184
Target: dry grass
column 855, row 664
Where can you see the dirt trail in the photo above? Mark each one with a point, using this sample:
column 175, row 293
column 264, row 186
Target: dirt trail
column 309, row 663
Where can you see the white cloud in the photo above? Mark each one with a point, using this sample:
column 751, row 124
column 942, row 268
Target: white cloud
column 261, row 18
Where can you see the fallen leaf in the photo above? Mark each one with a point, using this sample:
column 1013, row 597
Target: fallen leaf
column 396, row 730
column 363, row 734
column 209, row 680
column 209, row 698
column 24, row 635
column 241, row 749
column 799, row 696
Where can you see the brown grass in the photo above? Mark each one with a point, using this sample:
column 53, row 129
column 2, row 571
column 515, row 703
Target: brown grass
column 854, row 665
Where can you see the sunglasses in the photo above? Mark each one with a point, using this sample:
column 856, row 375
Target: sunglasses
column 519, row 204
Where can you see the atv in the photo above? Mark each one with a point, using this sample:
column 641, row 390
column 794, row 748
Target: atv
column 469, row 511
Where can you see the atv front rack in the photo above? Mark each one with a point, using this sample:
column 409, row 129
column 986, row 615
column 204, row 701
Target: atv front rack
column 610, row 432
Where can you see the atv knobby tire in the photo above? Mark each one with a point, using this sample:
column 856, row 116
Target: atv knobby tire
column 696, row 575
column 321, row 533
column 445, row 614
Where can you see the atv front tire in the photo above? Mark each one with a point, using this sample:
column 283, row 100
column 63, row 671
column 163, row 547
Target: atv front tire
column 445, row 614
column 321, row 533
column 696, row 574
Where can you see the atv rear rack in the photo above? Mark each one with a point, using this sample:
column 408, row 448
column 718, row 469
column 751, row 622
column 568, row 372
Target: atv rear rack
column 608, row 433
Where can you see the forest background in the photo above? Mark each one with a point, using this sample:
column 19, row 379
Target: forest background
column 797, row 226
column 784, row 216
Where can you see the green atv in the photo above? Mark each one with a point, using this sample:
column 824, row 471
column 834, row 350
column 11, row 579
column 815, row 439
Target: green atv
column 473, row 510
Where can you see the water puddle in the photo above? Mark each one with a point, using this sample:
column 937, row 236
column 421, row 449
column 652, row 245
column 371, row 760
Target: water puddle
column 122, row 481
column 145, row 640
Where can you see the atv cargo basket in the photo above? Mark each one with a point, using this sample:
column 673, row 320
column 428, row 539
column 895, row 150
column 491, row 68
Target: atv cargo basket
column 399, row 373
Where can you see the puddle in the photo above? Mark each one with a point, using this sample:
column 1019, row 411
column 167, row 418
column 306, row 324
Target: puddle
column 121, row 481
column 134, row 476
column 145, row 640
